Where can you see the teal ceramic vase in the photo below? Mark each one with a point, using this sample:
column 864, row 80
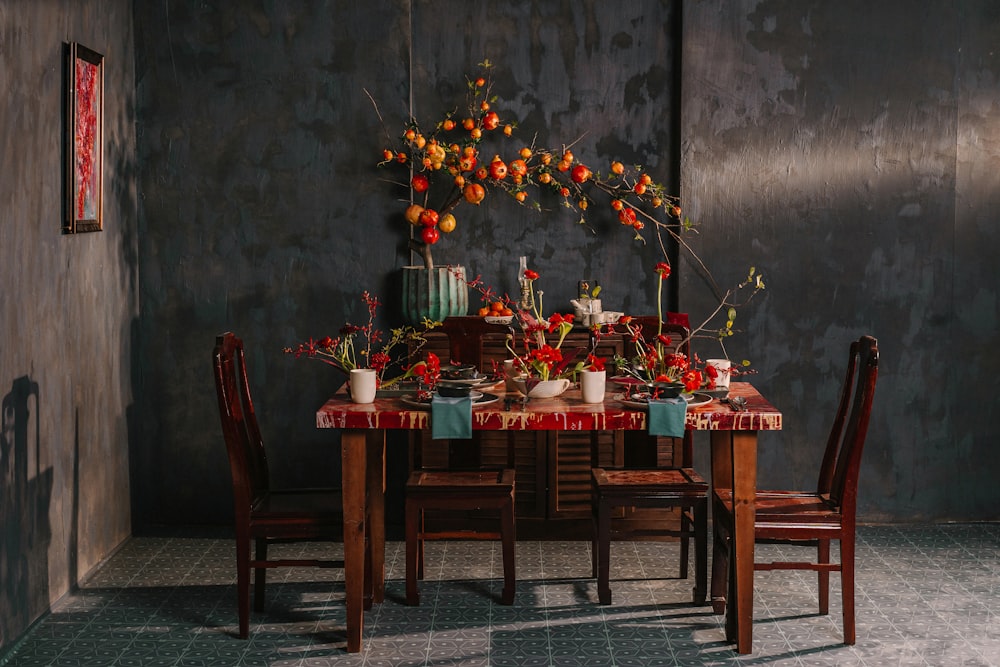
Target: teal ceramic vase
column 435, row 293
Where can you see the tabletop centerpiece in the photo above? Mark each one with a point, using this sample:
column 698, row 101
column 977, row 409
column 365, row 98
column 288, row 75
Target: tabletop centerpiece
column 365, row 347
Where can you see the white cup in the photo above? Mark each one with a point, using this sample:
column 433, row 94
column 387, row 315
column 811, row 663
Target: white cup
column 362, row 385
column 724, row 366
column 592, row 386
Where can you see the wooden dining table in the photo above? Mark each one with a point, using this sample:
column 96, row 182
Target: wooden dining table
column 733, row 437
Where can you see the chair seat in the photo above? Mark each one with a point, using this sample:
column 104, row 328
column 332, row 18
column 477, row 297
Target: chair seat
column 461, row 480
column 666, row 482
column 296, row 502
column 781, row 511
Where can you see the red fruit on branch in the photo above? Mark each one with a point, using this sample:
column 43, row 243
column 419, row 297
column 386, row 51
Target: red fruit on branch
column 428, row 217
column 474, row 193
column 430, row 235
column 491, row 121
column 498, row 170
column 419, row 183
column 580, row 174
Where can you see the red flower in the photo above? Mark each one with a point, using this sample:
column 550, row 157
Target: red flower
column 678, row 361
column 547, row 355
column 664, row 339
column 663, row 269
column 556, row 319
column 530, row 275
column 691, row 380
column 379, row 360
column 594, row 363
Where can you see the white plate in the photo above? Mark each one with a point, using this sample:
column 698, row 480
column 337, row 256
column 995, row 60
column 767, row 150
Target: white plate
column 499, row 319
column 478, row 381
column 478, row 398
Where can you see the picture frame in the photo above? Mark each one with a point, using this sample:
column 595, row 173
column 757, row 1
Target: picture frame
column 84, row 178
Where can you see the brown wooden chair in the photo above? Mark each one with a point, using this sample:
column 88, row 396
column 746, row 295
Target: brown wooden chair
column 263, row 514
column 460, row 486
column 814, row 518
column 676, row 486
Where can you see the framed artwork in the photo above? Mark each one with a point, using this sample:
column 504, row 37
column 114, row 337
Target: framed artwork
column 84, row 200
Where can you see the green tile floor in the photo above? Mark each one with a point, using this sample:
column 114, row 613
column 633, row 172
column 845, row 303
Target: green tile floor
column 927, row 595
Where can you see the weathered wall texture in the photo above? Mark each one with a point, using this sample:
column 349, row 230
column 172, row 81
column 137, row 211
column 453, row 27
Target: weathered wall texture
column 850, row 151
column 263, row 210
column 846, row 150
column 67, row 313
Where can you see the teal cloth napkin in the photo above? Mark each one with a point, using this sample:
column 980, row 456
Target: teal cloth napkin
column 451, row 418
column 666, row 417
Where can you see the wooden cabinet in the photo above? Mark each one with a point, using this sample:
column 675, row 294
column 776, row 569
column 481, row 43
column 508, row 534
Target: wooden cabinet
column 552, row 468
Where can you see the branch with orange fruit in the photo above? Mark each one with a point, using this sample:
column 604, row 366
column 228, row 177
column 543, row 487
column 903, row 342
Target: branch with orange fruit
column 458, row 161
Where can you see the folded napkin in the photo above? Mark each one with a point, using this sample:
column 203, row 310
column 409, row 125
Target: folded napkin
column 666, row 417
column 451, row 418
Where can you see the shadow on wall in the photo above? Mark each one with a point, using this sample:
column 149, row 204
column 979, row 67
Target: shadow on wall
column 25, row 495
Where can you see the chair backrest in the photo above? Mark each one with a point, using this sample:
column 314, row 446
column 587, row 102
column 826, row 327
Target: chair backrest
column 465, row 339
column 680, row 335
column 839, row 471
column 247, row 460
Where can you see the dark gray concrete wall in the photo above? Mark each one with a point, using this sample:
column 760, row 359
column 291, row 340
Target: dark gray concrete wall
column 263, row 211
column 846, row 150
column 67, row 313
column 849, row 150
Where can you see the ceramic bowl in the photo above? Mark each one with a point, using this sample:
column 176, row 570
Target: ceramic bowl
column 542, row 389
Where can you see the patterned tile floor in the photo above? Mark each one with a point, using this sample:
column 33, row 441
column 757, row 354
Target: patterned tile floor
column 926, row 596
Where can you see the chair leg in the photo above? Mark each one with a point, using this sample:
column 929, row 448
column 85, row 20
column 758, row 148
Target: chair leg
column 685, row 542
column 847, row 584
column 260, row 577
column 508, row 540
column 421, row 528
column 720, row 569
column 243, row 584
column 604, row 552
column 823, row 557
column 413, row 514
column 700, row 552
column 594, row 541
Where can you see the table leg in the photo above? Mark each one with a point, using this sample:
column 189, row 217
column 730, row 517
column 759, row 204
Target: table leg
column 734, row 465
column 744, row 491
column 722, row 478
column 376, row 514
column 354, row 477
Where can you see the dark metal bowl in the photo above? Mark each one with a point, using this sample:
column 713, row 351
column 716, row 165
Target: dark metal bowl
column 463, row 372
column 453, row 390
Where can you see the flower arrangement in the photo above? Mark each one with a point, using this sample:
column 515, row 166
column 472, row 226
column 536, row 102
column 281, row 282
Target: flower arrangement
column 363, row 346
column 427, row 374
column 656, row 359
column 538, row 357
column 593, row 363
column 457, row 160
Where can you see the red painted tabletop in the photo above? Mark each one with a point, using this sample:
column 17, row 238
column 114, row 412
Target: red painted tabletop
column 563, row 413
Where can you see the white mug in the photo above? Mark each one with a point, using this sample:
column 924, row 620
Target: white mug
column 362, row 385
column 592, row 386
column 724, row 366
